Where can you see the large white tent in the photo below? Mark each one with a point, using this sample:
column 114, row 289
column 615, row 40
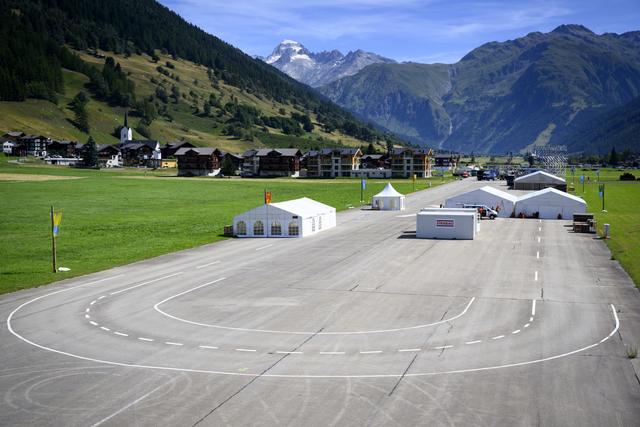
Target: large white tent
column 492, row 197
column 388, row 199
column 550, row 204
column 293, row 218
column 539, row 180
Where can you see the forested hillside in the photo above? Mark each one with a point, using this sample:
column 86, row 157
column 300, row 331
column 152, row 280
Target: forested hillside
column 178, row 80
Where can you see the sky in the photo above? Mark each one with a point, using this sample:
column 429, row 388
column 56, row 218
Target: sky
column 425, row 31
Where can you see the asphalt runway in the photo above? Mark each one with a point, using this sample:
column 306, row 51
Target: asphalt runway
column 363, row 324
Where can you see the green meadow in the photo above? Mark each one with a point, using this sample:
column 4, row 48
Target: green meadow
column 622, row 205
column 114, row 217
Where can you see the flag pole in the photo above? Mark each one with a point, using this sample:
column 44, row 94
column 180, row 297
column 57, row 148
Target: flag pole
column 53, row 243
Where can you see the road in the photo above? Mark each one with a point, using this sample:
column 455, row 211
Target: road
column 529, row 324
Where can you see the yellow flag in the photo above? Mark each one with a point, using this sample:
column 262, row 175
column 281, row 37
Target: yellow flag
column 57, row 218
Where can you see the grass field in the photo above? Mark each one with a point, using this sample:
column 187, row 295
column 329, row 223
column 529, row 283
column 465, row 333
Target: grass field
column 114, row 217
column 622, row 204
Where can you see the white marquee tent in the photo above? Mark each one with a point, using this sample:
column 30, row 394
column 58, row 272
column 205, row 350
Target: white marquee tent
column 550, row 203
column 388, row 199
column 500, row 200
column 538, row 180
column 293, row 218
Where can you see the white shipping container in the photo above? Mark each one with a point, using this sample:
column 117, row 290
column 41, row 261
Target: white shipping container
column 449, row 224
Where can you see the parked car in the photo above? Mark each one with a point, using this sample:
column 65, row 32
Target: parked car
column 484, row 211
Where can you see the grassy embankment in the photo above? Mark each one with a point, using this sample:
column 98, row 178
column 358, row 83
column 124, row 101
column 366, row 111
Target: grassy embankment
column 622, row 204
column 114, row 217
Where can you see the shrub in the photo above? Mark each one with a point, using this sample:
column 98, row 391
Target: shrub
column 627, row 176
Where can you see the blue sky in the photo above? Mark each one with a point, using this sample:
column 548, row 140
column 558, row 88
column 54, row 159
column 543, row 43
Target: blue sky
column 406, row 30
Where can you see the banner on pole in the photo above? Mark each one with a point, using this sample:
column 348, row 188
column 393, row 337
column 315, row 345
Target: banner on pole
column 57, row 218
column 267, row 197
column 364, row 184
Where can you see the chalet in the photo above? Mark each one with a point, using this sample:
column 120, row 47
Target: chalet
column 8, row 148
column 35, row 145
column 141, row 153
column 374, row 161
column 331, row 163
column 235, row 160
column 108, row 155
column 278, row 162
column 198, row 161
column 250, row 163
column 446, row 161
column 62, row 148
column 406, row 162
column 13, row 136
column 170, row 148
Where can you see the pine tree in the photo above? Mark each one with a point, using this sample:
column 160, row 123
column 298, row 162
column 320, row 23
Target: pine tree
column 613, row 157
column 90, row 154
column 78, row 105
column 227, row 167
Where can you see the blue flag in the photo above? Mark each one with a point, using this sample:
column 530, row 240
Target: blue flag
column 364, row 184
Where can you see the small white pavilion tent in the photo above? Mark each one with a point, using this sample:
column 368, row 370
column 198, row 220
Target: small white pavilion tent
column 293, row 218
column 538, row 181
column 492, row 197
column 550, row 204
column 388, row 199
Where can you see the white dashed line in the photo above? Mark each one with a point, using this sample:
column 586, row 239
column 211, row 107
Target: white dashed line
column 145, row 283
column 87, row 310
column 172, row 343
column 93, row 323
column 538, row 239
column 442, row 347
column 535, row 276
column 246, row 349
column 121, row 334
column 517, row 331
column 332, row 352
column 537, row 254
column 92, row 302
column 264, row 247
column 409, row 349
column 145, row 339
column 207, row 265
column 289, row 352
column 539, row 228
column 473, row 342
column 371, row 352
column 531, row 319
column 498, row 337
column 86, row 316
column 208, row 347
column 527, row 325
column 104, row 328
column 533, row 309
column 102, row 296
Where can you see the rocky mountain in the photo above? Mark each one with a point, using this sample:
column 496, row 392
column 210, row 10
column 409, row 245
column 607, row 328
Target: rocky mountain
column 502, row 96
column 317, row 69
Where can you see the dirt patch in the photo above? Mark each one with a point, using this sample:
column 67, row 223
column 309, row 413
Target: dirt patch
column 31, row 177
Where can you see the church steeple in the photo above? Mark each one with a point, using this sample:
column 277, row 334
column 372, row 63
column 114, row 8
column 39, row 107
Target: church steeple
column 125, row 133
column 126, row 119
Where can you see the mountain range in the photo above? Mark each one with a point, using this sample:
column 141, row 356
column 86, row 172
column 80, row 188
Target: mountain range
column 503, row 96
column 318, row 69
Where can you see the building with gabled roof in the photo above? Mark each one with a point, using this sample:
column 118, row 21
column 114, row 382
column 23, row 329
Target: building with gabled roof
column 294, row 218
column 333, row 162
column 271, row 162
column 550, row 203
column 501, row 201
column 539, row 180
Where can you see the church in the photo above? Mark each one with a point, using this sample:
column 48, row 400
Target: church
column 145, row 152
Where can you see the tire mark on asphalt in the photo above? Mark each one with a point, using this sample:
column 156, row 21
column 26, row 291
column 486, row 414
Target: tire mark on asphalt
column 255, row 378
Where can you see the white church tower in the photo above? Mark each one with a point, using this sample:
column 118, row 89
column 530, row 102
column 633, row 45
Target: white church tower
column 125, row 133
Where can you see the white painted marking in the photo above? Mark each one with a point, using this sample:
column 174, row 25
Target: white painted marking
column 208, row 347
column 104, row 328
column 473, row 342
column 246, row 349
column 498, row 337
column 86, row 316
column 264, row 247
column 539, row 228
column 527, row 325
column 332, row 352
column 207, row 265
column 121, row 334
column 371, row 352
column 253, row 375
column 533, row 309
column 409, row 349
column 87, row 310
column 124, row 408
column 530, row 319
column 538, row 254
column 405, row 216
column 289, row 352
column 604, row 339
column 92, row 302
column 145, row 339
column 535, row 276
column 93, row 323
column 208, row 325
column 540, row 221
column 442, row 347
column 538, row 239
column 517, row 331
column 172, row 343
column 145, row 283
column 103, row 296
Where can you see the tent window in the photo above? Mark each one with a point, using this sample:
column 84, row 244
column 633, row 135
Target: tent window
column 320, row 223
column 294, row 230
column 241, row 228
column 313, row 225
column 276, row 229
column 258, row 228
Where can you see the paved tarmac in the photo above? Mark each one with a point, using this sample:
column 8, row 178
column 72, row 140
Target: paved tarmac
column 363, row 324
